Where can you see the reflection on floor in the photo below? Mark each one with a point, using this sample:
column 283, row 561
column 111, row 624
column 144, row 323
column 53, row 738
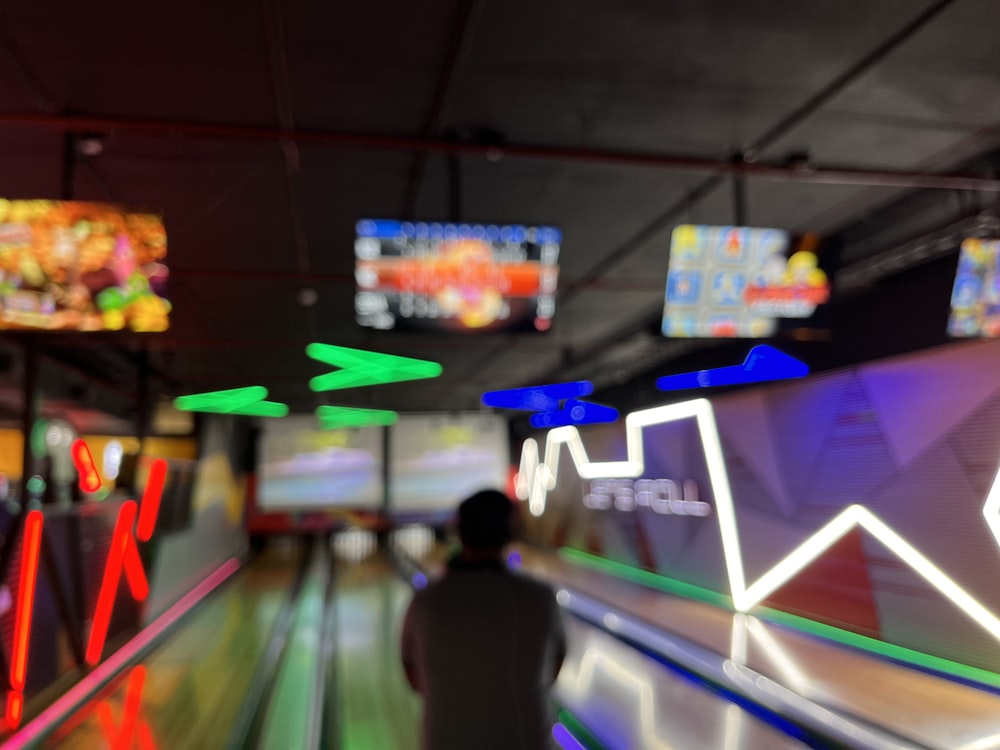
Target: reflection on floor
column 187, row 694
column 923, row 708
column 377, row 707
column 630, row 701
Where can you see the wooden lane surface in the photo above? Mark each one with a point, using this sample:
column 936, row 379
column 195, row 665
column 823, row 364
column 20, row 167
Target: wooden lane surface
column 930, row 710
column 188, row 692
column 377, row 708
column 630, row 700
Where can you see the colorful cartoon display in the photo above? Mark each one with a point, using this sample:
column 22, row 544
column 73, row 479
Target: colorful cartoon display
column 736, row 281
column 975, row 298
column 452, row 277
column 77, row 266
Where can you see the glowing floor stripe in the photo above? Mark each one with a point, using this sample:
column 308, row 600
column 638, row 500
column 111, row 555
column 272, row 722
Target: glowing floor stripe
column 63, row 706
column 535, row 480
column 581, row 680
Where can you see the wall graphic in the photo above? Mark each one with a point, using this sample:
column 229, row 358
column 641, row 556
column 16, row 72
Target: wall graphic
column 858, row 497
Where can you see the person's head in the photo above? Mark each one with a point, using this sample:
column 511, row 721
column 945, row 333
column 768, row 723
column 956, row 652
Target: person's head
column 485, row 522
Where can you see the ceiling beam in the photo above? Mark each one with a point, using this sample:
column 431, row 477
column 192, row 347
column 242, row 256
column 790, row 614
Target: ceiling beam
column 805, row 173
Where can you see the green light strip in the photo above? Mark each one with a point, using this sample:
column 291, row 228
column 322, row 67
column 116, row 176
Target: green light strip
column 337, row 417
column 830, row 632
column 645, row 577
column 360, row 368
column 888, row 650
column 583, row 735
column 248, row 401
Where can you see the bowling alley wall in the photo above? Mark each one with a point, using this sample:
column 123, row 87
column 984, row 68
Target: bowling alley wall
column 915, row 440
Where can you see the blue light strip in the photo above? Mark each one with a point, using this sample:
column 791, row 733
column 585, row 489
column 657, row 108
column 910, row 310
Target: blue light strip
column 537, row 397
column 565, row 739
column 390, row 229
column 763, row 363
column 573, row 413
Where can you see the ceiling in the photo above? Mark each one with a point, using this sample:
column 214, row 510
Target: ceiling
column 265, row 131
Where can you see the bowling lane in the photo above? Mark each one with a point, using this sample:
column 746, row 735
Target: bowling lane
column 187, row 693
column 377, row 708
column 922, row 708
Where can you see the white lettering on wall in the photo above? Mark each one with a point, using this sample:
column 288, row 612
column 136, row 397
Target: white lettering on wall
column 663, row 496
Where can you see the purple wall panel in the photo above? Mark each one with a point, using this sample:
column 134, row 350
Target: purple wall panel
column 915, row 439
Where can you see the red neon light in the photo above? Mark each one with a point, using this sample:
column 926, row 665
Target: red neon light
column 150, row 508
column 123, row 556
column 120, row 542
column 132, row 727
column 146, row 741
column 15, row 709
column 90, row 479
column 135, row 573
column 25, row 598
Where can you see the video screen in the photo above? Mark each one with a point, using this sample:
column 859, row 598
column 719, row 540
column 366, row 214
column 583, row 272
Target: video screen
column 455, row 277
column 975, row 297
column 735, row 282
column 73, row 266
column 436, row 461
column 303, row 467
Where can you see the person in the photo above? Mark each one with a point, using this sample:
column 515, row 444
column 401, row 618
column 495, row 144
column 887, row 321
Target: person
column 482, row 645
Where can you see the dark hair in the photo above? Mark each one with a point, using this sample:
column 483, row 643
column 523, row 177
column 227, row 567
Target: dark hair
column 484, row 520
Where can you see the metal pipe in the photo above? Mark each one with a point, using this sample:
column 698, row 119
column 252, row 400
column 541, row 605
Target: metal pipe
column 829, row 175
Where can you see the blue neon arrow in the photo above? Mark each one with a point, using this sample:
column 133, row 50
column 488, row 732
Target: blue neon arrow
column 762, row 364
column 575, row 412
column 537, row 397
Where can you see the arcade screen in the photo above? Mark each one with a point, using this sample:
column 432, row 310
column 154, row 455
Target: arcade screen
column 72, row 266
column 455, row 277
column 303, row 467
column 737, row 281
column 975, row 298
column 436, row 461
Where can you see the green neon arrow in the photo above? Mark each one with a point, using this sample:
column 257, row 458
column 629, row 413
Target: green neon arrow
column 249, row 401
column 335, row 417
column 359, row 368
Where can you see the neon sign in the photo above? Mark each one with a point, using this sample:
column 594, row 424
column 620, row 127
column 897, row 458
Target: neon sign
column 249, row 401
column 123, row 558
column 360, row 368
column 536, row 479
column 662, row 496
column 537, row 397
column 338, row 417
column 575, row 411
column 90, row 479
column 763, row 363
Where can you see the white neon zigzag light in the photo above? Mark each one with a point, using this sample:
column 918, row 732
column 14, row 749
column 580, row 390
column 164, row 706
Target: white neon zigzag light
column 534, row 481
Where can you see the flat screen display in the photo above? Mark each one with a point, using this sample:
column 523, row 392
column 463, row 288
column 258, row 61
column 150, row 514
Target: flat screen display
column 74, row 266
column 455, row 277
column 737, row 281
column 303, row 467
column 436, row 461
column 975, row 297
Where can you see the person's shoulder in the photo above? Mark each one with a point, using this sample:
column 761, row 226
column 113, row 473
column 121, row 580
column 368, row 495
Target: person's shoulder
column 534, row 587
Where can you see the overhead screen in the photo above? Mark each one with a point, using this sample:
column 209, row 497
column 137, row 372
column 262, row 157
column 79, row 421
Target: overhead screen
column 975, row 298
column 736, row 282
column 436, row 461
column 73, row 266
column 302, row 467
column 455, row 277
